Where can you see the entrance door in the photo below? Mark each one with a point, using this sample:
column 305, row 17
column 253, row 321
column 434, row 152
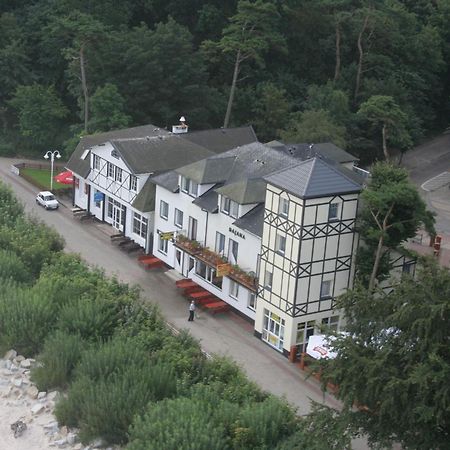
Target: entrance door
column 117, row 216
column 178, row 263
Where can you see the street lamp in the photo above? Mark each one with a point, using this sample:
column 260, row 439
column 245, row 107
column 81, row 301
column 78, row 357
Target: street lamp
column 52, row 155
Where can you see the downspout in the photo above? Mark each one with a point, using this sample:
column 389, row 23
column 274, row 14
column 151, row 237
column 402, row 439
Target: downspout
column 206, row 227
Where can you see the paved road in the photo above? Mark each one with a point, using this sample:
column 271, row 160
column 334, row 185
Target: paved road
column 223, row 334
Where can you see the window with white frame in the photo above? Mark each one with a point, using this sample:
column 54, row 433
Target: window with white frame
column 230, row 207
column 234, row 289
column 333, row 211
column 118, row 175
column 192, row 229
column 268, row 279
column 283, row 207
column 325, row 289
column 273, row 329
column 331, row 322
column 220, row 243
column 96, row 162
column 208, row 273
column 97, row 203
column 178, row 218
column 280, row 244
column 251, row 300
column 140, row 225
column 110, row 170
column 163, row 245
column 189, row 186
column 133, row 183
column 304, row 331
column 233, row 248
column 164, row 209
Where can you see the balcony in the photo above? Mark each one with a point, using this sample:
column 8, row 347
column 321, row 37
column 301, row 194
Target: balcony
column 195, row 248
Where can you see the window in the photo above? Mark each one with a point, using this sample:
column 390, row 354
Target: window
column 251, row 301
column 178, row 218
column 268, row 278
column 133, row 183
column 140, row 225
column 208, row 273
column 325, row 289
column 220, row 243
column 163, row 244
column 408, row 267
column 118, row 175
column 97, row 203
column 304, row 331
column 233, row 248
column 189, row 186
column 96, row 162
column 230, row 207
column 192, row 229
column 283, row 207
column 273, row 329
column 110, row 169
column 331, row 322
column 234, row 289
column 164, row 209
column 333, row 211
column 280, row 244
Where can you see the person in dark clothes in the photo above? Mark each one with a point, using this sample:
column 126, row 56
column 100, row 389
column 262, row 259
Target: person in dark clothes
column 191, row 311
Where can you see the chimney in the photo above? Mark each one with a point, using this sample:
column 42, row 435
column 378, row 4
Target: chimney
column 182, row 128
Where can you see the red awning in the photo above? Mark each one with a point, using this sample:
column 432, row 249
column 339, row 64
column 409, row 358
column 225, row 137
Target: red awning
column 64, row 177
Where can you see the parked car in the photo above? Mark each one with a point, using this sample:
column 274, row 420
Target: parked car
column 47, row 200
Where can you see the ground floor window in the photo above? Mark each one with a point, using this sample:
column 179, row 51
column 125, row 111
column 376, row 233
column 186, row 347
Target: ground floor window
column 140, row 225
column 208, row 273
column 234, row 289
column 163, row 245
column 331, row 322
column 304, row 331
column 273, row 329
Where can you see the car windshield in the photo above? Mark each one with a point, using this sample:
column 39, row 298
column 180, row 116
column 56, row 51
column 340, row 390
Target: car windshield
column 49, row 197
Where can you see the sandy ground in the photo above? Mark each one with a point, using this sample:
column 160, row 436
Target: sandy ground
column 20, row 400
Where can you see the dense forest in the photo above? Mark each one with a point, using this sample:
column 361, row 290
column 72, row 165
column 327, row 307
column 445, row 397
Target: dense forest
column 370, row 75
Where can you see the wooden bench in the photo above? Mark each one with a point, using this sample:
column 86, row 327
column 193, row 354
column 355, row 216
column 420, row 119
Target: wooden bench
column 200, row 295
column 217, row 307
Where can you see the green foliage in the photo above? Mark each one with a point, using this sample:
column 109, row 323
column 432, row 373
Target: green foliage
column 395, row 361
column 314, row 126
column 107, row 109
column 26, row 318
column 40, row 112
column 56, row 362
column 10, row 208
column 179, row 424
column 13, row 268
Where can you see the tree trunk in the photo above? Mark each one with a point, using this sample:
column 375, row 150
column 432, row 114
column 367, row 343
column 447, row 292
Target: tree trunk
column 337, row 68
column 384, row 135
column 376, row 263
column 361, row 57
column 232, row 90
column 85, row 89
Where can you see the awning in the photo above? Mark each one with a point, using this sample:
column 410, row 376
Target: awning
column 319, row 347
column 65, row 177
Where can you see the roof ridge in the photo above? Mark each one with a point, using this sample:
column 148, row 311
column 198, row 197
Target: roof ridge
column 338, row 171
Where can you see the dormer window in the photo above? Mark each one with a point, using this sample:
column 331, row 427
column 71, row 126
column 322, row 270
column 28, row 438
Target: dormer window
column 189, row 187
column 230, row 207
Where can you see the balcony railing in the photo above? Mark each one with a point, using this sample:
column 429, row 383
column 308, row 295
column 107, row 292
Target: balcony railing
column 195, row 248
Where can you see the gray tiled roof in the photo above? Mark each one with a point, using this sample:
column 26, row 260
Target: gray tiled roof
column 208, row 171
column 246, row 191
column 168, row 180
column 253, row 221
column 208, row 201
column 145, row 200
column 81, row 167
column 314, row 178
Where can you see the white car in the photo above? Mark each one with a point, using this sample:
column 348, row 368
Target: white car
column 47, row 200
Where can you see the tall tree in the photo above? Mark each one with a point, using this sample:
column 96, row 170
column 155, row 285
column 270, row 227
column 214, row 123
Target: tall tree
column 392, row 211
column 251, row 33
column 394, row 363
column 383, row 113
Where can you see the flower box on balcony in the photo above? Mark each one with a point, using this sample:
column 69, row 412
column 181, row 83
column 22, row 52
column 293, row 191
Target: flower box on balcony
column 244, row 278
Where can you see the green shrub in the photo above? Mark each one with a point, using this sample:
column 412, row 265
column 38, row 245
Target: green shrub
column 178, row 424
column 26, row 319
column 262, row 425
column 106, row 407
column 10, row 208
column 60, row 354
column 91, row 319
column 12, row 267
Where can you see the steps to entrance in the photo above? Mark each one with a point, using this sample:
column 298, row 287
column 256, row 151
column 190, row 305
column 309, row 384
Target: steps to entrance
column 150, row 262
column 217, row 307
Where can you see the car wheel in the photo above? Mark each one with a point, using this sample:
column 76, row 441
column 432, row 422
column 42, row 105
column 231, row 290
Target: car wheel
column 46, row 207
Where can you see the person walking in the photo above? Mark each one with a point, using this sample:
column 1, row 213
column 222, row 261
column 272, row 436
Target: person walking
column 191, row 311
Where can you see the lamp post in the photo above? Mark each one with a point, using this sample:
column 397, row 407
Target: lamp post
column 52, row 155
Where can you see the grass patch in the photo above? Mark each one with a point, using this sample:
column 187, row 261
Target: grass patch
column 41, row 178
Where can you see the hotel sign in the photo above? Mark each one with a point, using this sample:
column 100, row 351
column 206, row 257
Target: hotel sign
column 236, row 233
column 166, row 236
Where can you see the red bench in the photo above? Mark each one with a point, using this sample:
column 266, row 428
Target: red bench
column 217, row 307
